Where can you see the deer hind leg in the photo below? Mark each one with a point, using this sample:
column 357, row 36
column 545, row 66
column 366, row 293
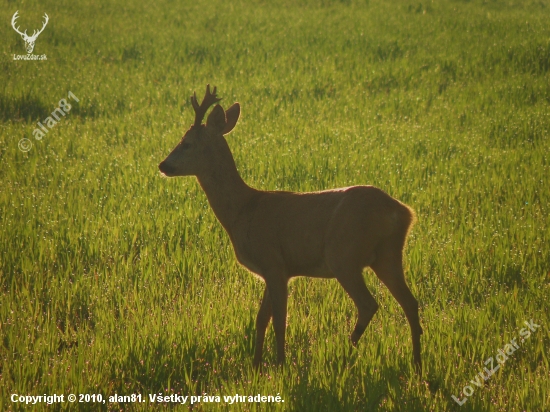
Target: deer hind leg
column 353, row 283
column 262, row 320
column 389, row 269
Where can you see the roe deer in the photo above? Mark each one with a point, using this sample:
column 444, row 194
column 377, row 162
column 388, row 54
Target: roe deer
column 279, row 235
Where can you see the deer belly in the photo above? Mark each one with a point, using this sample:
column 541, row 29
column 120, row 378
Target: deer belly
column 247, row 263
column 319, row 271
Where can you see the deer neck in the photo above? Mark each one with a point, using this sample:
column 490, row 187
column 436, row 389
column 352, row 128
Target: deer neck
column 226, row 191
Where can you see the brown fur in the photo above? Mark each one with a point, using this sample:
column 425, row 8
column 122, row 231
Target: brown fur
column 279, row 235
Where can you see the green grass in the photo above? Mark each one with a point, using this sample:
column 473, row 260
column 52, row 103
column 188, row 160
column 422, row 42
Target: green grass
column 115, row 280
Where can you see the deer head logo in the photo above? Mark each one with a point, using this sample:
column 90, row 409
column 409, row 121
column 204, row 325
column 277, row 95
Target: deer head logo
column 29, row 40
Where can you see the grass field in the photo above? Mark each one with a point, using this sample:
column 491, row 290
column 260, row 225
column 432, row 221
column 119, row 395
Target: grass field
column 114, row 280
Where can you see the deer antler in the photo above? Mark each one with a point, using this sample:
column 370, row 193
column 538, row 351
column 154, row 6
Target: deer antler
column 209, row 100
column 13, row 21
column 36, row 33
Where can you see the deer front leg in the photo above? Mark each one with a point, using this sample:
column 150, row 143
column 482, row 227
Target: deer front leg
column 262, row 320
column 279, row 295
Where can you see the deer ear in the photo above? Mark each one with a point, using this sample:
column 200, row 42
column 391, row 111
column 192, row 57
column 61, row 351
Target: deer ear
column 216, row 119
column 232, row 115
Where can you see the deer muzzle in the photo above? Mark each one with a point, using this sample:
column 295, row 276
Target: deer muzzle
column 166, row 169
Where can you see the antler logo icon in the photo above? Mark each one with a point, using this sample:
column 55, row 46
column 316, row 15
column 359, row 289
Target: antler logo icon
column 29, row 40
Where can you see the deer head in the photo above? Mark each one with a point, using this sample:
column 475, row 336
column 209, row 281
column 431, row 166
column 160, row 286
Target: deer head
column 29, row 40
column 203, row 144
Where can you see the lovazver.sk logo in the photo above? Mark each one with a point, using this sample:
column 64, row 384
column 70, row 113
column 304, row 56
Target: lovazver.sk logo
column 29, row 40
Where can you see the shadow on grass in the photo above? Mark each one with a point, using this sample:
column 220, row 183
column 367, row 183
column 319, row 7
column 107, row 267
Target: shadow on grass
column 385, row 391
column 24, row 108
column 30, row 109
